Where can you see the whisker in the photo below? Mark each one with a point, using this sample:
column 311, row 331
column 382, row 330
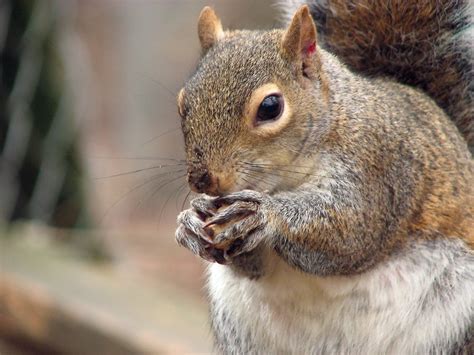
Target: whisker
column 173, row 193
column 171, row 93
column 276, row 173
column 185, row 198
column 160, row 185
column 255, row 173
column 180, row 189
column 153, row 194
column 161, row 135
column 146, row 182
column 273, row 165
column 140, row 158
column 138, row 171
column 273, row 178
column 251, row 184
column 154, row 191
column 258, row 178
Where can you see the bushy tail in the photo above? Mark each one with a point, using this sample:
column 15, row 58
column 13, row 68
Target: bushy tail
column 425, row 43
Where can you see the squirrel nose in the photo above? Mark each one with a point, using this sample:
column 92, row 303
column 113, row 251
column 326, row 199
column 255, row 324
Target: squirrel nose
column 202, row 181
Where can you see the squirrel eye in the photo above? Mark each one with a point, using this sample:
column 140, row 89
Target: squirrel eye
column 270, row 109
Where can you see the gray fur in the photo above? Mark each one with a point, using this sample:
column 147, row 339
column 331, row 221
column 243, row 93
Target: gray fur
column 369, row 183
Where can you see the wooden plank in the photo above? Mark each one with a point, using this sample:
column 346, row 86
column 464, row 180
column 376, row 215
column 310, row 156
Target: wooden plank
column 52, row 298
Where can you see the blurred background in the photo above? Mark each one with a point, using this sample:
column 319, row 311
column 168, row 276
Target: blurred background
column 91, row 177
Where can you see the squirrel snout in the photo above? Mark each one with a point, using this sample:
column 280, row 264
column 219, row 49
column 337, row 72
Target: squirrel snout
column 202, row 181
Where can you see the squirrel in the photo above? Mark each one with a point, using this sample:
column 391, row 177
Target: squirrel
column 336, row 206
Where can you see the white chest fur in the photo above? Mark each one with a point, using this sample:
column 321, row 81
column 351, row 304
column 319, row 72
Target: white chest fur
column 421, row 300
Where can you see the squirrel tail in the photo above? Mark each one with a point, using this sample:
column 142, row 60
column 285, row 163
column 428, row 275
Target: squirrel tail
column 424, row 43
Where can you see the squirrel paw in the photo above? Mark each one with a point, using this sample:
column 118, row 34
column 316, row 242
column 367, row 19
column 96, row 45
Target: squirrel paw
column 220, row 228
column 238, row 225
column 191, row 235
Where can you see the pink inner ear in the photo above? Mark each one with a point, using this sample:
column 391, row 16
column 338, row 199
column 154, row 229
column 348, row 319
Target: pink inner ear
column 310, row 49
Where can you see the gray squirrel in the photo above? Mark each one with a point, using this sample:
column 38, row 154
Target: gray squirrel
column 337, row 206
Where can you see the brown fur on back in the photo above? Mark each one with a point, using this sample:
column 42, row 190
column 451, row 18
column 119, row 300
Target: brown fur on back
column 426, row 45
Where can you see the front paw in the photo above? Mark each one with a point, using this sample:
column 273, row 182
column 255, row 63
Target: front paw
column 191, row 235
column 238, row 224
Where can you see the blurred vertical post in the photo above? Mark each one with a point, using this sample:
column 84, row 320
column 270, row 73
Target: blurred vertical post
column 40, row 166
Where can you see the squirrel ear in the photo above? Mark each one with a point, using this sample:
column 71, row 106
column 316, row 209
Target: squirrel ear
column 299, row 40
column 209, row 28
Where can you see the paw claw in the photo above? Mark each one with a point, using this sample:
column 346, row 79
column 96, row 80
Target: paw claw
column 238, row 211
column 204, row 207
column 193, row 223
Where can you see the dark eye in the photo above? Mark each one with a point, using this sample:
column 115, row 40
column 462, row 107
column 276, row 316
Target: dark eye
column 270, row 109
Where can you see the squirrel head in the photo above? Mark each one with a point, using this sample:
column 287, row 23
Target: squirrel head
column 248, row 110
